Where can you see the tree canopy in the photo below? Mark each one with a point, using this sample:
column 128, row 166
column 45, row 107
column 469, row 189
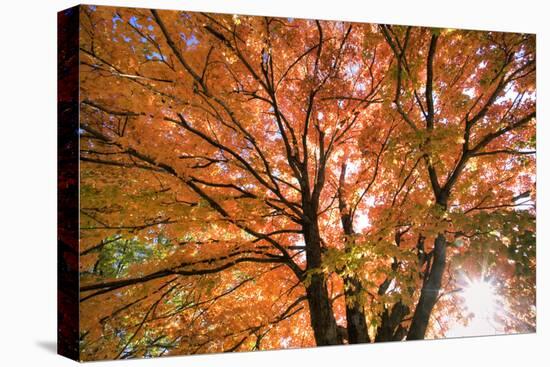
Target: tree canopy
column 251, row 183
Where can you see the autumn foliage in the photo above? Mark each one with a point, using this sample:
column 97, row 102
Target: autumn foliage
column 251, row 183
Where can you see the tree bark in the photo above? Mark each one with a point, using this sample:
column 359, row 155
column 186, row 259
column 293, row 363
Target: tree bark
column 391, row 329
column 355, row 315
column 320, row 311
column 320, row 308
column 430, row 291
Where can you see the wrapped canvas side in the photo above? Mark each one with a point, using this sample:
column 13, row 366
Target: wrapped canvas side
column 67, row 181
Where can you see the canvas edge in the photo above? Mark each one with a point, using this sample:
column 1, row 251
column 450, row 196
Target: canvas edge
column 67, row 183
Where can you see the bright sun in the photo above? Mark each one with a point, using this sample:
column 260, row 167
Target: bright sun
column 481, row 300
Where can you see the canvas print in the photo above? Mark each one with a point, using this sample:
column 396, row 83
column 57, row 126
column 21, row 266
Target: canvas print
column 252, row 183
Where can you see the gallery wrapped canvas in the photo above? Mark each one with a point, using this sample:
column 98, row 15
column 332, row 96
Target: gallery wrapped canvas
column 235, row 183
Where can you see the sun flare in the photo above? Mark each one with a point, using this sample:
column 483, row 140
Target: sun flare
column 482, row 302
column 480, row 298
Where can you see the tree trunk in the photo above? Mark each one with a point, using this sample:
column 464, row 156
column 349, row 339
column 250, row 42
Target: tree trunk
column 320, row 311
column 355, row 315
column 320, row 307
column 430, row 291
column 391, row 329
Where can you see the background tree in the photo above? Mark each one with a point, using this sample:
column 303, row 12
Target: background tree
column 468, row 98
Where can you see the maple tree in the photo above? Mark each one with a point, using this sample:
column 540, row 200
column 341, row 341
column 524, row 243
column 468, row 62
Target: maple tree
column 256, row 183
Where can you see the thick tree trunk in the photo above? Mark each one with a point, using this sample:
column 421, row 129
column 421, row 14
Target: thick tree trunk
column 320, row 311
column 320, row 307
column 355, row 315
column 430, row 291
column 391, row 329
